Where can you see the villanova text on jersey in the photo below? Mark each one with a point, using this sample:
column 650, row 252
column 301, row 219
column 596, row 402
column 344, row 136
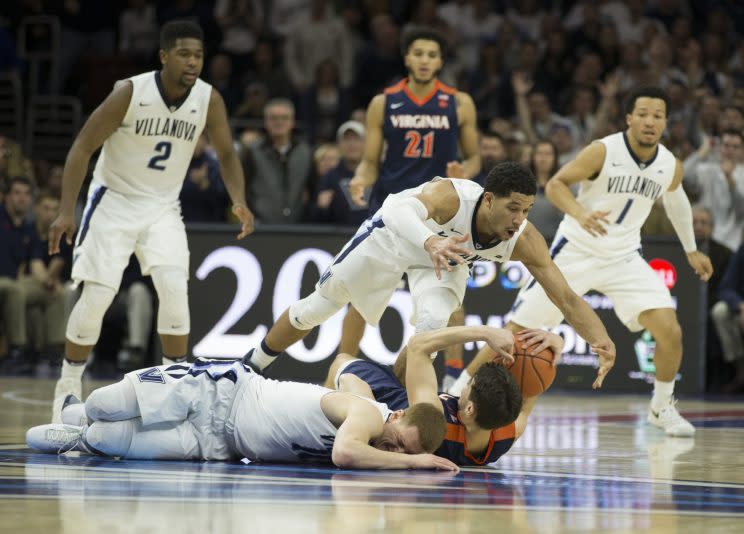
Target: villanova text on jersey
column 637, row 185
column 158, row 126
column 422, row 137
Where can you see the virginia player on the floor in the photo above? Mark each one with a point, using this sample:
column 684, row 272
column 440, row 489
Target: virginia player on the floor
column 598, row 243
column 432, row 233
column 490, row 414
column 148, row 126
column 221, row 410
column 423, row 126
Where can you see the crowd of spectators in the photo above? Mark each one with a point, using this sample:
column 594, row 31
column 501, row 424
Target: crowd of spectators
column 547, row 77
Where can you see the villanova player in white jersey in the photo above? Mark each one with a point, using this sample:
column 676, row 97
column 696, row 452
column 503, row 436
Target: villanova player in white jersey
column 597, row 245
column 432, row 233
column 221, row 410
column 148, row 127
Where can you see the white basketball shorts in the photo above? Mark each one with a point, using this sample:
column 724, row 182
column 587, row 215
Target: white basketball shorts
column 629, row 282
column 114, row 226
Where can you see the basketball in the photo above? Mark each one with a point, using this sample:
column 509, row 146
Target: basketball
column 533, row 373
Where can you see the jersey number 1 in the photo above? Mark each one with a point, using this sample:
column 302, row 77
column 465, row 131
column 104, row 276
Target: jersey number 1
column 163, row 149
column 413, row 149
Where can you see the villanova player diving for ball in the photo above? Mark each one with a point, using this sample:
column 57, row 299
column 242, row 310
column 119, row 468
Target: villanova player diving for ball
column 432, row 233
column 148, row 126
column 598, row 243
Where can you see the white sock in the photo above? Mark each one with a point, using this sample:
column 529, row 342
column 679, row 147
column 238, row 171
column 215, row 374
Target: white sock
column 460, row 383
column 663, row 392
column 263, row 356
column 72, row 370
column 167, row 360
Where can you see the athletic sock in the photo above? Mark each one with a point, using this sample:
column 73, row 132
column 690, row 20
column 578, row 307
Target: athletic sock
column 167, row 360
column 663, row 392
column 460, row 383
column 72, row 369
column 263, row 356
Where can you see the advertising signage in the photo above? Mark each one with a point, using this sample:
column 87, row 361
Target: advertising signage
column 238, row 289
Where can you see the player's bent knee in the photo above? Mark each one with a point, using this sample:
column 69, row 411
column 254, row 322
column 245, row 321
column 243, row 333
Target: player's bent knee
column 315, row 309
column 112, row 403
column 84, row 324
column 431, row 319
column 112, row 438
column 171, row 284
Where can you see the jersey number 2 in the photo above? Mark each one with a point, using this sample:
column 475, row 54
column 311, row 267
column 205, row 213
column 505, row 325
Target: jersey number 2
column 163, row 149
column 413, row 149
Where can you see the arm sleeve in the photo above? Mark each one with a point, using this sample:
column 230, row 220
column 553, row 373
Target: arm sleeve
column 406, row 218
column 679, row 211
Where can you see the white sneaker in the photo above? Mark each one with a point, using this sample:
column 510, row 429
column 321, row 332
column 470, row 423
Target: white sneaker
column 73, row 411
column 56, row 439
column 669, row 419
column 64, row 387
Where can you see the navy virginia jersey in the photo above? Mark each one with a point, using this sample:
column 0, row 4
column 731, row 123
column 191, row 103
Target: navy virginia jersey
column 387, row 389
column 422, row 136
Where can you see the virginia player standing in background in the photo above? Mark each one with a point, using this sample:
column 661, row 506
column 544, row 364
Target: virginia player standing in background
column 148, row 126
column 424, row 125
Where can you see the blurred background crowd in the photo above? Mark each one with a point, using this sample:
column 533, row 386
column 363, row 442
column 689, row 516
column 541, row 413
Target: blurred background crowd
column 546, row 77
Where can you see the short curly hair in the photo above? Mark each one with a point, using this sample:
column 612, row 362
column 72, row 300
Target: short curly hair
column 510, row 177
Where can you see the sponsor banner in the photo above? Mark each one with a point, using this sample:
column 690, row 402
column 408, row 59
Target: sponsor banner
column 238, row 289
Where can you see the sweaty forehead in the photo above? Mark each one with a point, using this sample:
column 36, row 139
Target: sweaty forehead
column 424, row 45
column 188, row 43
column 521, row 199
column 646, row 103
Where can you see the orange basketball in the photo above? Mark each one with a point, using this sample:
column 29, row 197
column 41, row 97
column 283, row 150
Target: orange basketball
column 533, row 373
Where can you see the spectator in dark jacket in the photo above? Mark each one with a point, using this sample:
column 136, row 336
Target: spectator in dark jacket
column 728, row 317
column 203, row 196
column 333, row 202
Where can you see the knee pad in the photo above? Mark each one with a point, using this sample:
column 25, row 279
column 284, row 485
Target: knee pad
column 112, row 438
column 433, row 309
column 311, row 311
column 84, row 323
column 171, row 284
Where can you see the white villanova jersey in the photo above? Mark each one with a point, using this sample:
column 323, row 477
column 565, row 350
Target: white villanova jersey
column 627, row 188
column 149, row 153
column 462, row 223
column 283, row 421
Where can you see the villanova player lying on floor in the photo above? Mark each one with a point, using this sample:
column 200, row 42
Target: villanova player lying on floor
column 221, row 410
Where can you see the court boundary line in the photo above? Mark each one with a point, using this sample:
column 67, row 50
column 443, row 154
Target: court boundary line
column 435, row 506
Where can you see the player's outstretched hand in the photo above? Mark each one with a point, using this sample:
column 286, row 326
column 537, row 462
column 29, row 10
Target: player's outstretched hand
column 594, row 222
column 700, row 263
column 455, row 169
column 446, row 252
column 539, row 340
column 357, row 186
column 63, row 225
column 606, row 354
column 501, row 341
column 431, row 461
column 246, row 219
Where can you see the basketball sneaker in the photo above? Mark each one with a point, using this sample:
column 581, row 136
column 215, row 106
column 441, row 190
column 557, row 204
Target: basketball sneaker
column 57, row 439
column 670, row 420
column 65, row 386
column 73, row 411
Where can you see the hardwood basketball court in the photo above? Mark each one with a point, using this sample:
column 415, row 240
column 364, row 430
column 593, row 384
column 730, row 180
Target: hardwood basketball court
column 587, row 463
